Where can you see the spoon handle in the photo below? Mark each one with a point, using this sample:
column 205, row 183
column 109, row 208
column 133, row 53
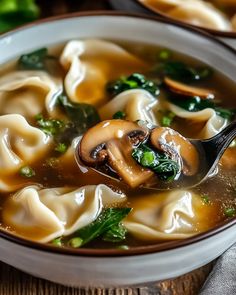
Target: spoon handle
column 219, row 143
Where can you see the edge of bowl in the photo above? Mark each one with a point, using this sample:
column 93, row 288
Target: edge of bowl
column 147, row 249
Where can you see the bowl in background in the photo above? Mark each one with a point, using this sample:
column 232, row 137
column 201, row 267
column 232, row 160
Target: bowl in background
column 139, row 6
column 93, row 267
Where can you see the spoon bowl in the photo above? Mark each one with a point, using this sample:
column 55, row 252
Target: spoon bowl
column 209, row 150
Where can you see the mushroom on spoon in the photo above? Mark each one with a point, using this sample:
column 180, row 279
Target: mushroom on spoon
column 146, row 157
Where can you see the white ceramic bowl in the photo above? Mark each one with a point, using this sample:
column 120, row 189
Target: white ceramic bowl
column 116, row 267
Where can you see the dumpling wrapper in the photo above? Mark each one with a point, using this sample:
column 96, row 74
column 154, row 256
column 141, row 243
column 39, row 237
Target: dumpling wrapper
column 168, row 216
column 213, row 123
column 28, row 93
column 20, row 145
column 137, row 104
column 91, row 64
column 44, row 214
column 200, row 13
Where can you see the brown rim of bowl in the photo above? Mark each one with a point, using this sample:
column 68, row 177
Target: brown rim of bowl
column 155, row 248
column 149, row 9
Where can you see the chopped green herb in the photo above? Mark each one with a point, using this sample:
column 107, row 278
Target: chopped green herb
column 165, row 168
column 230, row 212
column 167, row 119
column 134, row 81
column 182, row 72
column 165, row 54
column 57, row 242
column 115, row 234
column 205, row 199
column 119, row 115
column 107, row 220
column 75, row 242
column 27, row 171
column 50, row 126
column 61, row 148
column 122, row 247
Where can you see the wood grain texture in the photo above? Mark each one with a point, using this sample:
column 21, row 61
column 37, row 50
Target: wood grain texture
column 15, row 282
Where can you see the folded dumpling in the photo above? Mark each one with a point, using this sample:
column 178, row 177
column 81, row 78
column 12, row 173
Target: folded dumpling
column 28, row 93
column 209, row 122
column 20, row 145
column 90, row 64
column 169, row 215
column 44, row 214
column 202, row 14
column 137, row 104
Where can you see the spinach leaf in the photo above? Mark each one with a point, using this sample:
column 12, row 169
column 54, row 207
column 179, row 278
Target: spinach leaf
column 195, row 104
column 108, row 220
column 81, row 115
column 182, row 72
column 165, row 168
column 34, row 60
column 115, row 234
column 134, row 81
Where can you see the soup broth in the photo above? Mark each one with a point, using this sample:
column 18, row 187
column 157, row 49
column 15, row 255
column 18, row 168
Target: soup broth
column 47, row 102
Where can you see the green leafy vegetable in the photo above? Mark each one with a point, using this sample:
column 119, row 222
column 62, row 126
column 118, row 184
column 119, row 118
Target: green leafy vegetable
column 115, row 234
column 34, row 60
column 51, row 127
column 230, row 212
column 109, row 219
column 122, row 247
column 81, row 115
column 16, row 12
column 182, row 72
column 195, row 104
column 27, row 171
column 165, row 168
column 119, row 115
column 134, row 81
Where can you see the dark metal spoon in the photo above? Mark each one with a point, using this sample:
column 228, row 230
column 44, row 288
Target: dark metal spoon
column 210, row 152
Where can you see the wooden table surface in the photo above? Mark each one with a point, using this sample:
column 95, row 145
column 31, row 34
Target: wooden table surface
column 14, row 282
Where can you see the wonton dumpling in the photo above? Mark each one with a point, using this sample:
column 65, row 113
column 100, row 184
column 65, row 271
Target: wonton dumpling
column 202, row 14
column 137, row 105
column 28, row 93
column 167, row 216
column 93, row 63
column 213, row 123
column 44, row 214
column 20, row 145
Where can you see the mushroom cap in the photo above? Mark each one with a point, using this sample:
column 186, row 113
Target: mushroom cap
column 175, row 145
column 95, row 139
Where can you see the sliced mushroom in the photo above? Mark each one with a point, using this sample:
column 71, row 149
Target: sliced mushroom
column 120, row 159
column 92, row 149
column 171, row 142
column 186, row 90
column 112, row 142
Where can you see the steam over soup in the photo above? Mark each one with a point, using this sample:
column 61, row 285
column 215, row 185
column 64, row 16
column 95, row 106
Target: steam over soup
column 110, row 92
